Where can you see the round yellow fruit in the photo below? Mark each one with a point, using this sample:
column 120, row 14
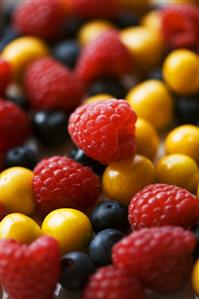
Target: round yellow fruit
column 181, row 71
column 183, row 140
column 152, row 20
column 71, row 228
column 122, row 180
column 16, row 190
column 97, row 98
column 22, row 51
column 180, row 170
column 152, row 101
column 20, row 228
column 195, row 278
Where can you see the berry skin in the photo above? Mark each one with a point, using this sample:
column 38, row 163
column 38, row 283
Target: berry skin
column 14, row 126
column 106, row 55
column 5, row 76
column 104, row 130
column 37, row 268
column 76, row 268
column 110, row 214
column 113, row 283
column 101, row 245
column 67, row 52
column 180, row 25
column 50, row 85
column 39, row 18
column 187, row 109
column 162, row 204
column 159, row 257
column 2, row 211
column 60, row 182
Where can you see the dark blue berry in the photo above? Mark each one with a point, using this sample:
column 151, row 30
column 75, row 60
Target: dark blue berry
column 155, row 74
column 108, row 85
column 8, row 35
column 126, row 19
column 21, row 156
column 110, row 214
column 100, row 247
column 196, row 233
column 50, row 127
column 19, row 100
column 76, row 268
column 187, row 109
column 7, row 12
column 67, row 52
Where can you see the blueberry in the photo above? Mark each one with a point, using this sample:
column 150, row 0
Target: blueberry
column 108, row 85
column 19, row 100
column 155, row 74
column 21, row 156
column 67, row 52
column 187, row 109
column 79, row 156
column 9, row 35
column 126, row 19
column 76, row 268
column 50, row 127
column 8, row 12
column 100, row 247
column 196, row 232
column 110, row 214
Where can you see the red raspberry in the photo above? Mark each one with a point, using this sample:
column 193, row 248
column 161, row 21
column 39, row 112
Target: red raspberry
column 49, row 84
column 106, row 55
column 161, row 204
column 14, row 126
column 2, row 211
column 29, row 271
column 5, row 76
column 41, row 18
column 60, row 182
column 95, row 8
column 105, row 130
column 180, row 25
column 159, row 257
column 113, row 283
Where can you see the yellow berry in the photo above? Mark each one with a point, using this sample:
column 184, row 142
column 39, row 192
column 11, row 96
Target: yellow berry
column 183, row 140
column 147, row 140
column 179, row 170
column 195, row 278
column 98, row 97
column 16, row 190
column 145, row 45
column 152, row 20
column 20, row 228
column 23, row 51
column 181, row 71
column 92, row 30
column 71, row 228
column 152, row 101
column 122, row 180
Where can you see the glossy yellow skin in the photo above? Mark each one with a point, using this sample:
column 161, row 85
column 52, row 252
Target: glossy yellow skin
column 195, row 278
column 181, row 71
column 183, row 140
column 92, row 30
column 152, row 20
column 145, row 45
column 179, row 170
column 98, row 97
column 16, row 190
column 147, row 139
column 152, row 101
column 71, row 228
column 20, row 228
column 23, row 51
column 122, row 180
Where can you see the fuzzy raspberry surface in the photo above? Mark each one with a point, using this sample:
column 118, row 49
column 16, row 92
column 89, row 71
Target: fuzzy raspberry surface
column 5, row 76
column 159, row 257
column 162, row 204
column 104, row 130
column 60, row 182
column 29, row 271
column 113, row 283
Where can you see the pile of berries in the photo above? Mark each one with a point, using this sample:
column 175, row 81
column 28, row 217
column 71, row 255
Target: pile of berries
column 99, row 148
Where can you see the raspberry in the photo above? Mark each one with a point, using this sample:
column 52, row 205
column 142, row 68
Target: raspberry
column 14, row 126
column 50, row 85
column 5, row 76
column 60, row 182
column 2, row 211
column 180, row 25
column 113, row 283
column 159, row 257
column 106, row 55
column 29, row 271
column 104, row 130
column 161, row 204
column 41, row 18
